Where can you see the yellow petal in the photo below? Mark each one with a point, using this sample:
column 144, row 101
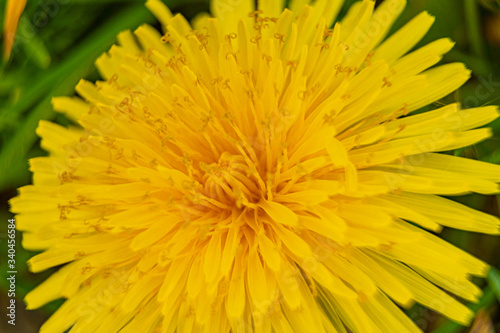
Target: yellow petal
column 279, row 213
column 404, row 39
column 160, row 11
column 269, row 253
column 230, row 12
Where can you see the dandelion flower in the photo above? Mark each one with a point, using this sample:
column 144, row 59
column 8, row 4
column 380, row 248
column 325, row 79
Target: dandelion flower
column 259, row 171
column 13, row 11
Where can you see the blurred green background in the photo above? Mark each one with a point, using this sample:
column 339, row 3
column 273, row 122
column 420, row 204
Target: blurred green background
column 58, row 41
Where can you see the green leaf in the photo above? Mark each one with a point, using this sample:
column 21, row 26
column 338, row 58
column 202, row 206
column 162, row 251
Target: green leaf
column 494, row 280
column 33, row 46
column 473, row 23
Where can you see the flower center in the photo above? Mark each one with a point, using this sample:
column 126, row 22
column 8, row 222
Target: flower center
column 231, row 182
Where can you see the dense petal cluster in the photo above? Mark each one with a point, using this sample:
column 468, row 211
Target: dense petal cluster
column 259, row 171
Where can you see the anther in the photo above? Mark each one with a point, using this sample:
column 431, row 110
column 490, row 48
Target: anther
column 231, row 54
column 280, row 37
column 135, row 156
column 324, row 46
column 124, row 102
column 217, row 80
column 344, row 45
column 79, row 254
column 87, row 268
column 255, row 13
column 327, row 33
column 255, row 40
column 153, row 163
column 386, row 83
column 165, row 39
column 231, row 36
column 113, row 78
column 267, row 58
column 369, row 58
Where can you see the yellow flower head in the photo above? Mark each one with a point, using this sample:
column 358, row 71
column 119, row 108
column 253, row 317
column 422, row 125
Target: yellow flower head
column 259, row 171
